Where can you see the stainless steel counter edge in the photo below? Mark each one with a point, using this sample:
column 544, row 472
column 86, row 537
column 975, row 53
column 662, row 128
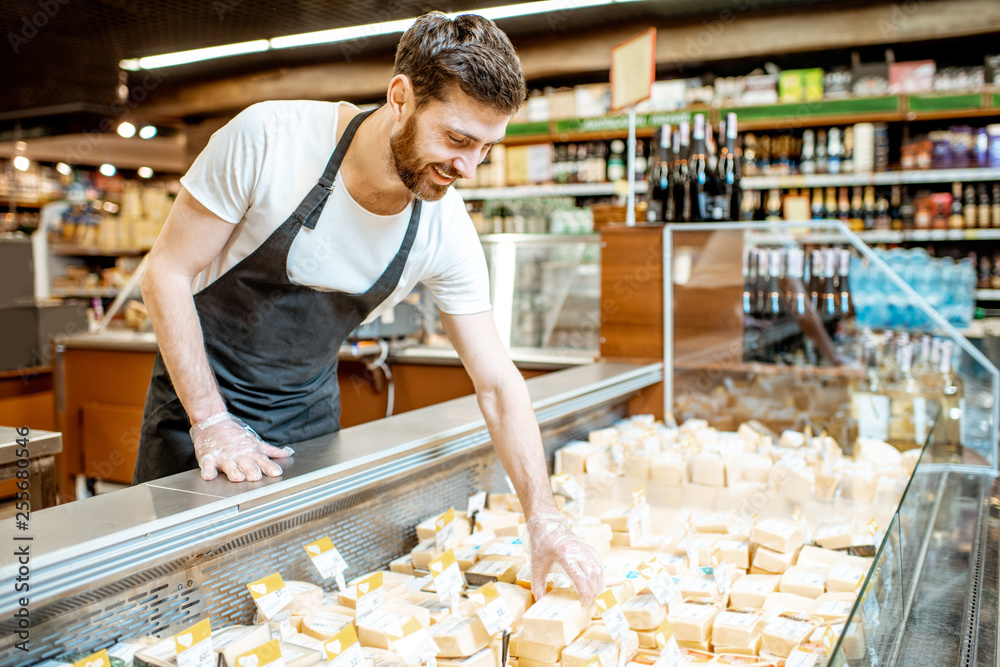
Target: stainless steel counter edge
column 77, row 544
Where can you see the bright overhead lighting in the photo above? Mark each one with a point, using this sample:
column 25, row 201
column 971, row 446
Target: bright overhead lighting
column 126, row 130
column 148, row 132
column 21, row 163
column 353, row 32
column 108, row 169
column 145, row 172
column 64, row 169
column 195, row 55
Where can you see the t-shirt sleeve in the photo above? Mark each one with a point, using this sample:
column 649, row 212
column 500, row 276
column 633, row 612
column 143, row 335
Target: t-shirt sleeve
column 461, row 286
column 225, row 175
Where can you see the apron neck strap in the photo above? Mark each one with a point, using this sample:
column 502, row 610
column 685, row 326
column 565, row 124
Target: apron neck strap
column 333, row 166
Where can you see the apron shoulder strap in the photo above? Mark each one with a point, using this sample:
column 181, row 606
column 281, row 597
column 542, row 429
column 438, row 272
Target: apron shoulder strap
column 333, row 166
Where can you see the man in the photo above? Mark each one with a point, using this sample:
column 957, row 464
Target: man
column 288, row 248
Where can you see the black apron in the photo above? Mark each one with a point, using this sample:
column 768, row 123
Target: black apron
column 272, row 344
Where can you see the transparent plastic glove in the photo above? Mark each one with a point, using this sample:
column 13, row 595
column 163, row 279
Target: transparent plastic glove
column 226, row 444
column 552, row 541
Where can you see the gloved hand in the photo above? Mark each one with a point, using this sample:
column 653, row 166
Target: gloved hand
column 553, row 541
column 224, row 443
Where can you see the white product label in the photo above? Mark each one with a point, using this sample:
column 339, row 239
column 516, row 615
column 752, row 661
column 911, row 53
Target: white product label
column 490, row 567
column 665, row 588
column 846, row 573
column 514, row 547
column 495, row 616
column 807, row 579
column 449, row 582
column 722, row 579
column 477, row 503
column 691, row 612
column 417, row 647
column 801, row 659
column 326, row 559
column 272, row 603
column 871, row 613
column 328, row 623
column 873, row 413
column 353, row 656
column 835, row 608
column 830, row 531
column 369, row 603
column 611, row 614
column 743, row 586
column 736, row 618
column 789, row 629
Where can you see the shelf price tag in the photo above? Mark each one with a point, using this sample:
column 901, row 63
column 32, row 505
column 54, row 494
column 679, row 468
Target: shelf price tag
column 99, row 659
column 265, row 655
column 720, row 572
column 194, row 646
column 670, row 652
column 413, row 643
column 328, row 561
column 477, row 503
column 369, row 595
column 611, row 614
column 270, row 595
column 448, row 579
column 444, row 530
column 639, row 513
column 663, row 586
column 343, row 650
column 492, row 611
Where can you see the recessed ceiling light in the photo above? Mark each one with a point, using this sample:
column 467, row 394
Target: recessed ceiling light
column 148, row 131
column 145, row 172
column 21, row 163
column 108, row 169
column 64, row 169
column 126, row 130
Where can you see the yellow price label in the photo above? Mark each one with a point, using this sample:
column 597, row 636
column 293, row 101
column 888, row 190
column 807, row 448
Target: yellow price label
column 99, row 659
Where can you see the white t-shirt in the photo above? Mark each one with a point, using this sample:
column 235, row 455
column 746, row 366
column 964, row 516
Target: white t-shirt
column 257, row 169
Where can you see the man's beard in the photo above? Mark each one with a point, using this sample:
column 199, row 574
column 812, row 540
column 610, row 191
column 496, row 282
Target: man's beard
column 411, row 169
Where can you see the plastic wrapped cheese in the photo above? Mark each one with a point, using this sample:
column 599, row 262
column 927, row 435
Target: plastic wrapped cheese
column 784, row 633
column 737, row 627
column 325, row 622
column 692, row 622
column 805, row 581
column 753, row 589
column 236, row 640
column 458, row 636
column 556, row 619
column 644, row 612
column 771, row 561
column 581, row 650
column 781, row 536
column 493, row 569
column 294, row 655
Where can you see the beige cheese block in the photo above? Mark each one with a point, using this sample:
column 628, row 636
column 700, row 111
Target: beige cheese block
column 372, row 629
column 818, row 557
column 423, row 554
column 493, row 520
column 877, row 452
column 784, row 633
column 458, row 636
column 668, row 468
column 306, row 641
column 699, row 586
column 692, row 622
column 701, row 647
column 781, row 602
column 581, row 650
column 508, row 547
column 835, row 536
column 305, row 597
column 775, row 562
column 325, row 622
column 294, row 655
column 466, row 557
column 236, row 640
column 382, row 658
column 644, row 612
column 556, row 619
column 485, row 658
column 676, row 564
column 708, row 469
column 638, row 464
column 525, row 662
column 629, row 643
column 521, row 648
column 736, row 553
column 713, row 523
column 571, row 459
column 833, row 607
column 701, row 548
column 647, row 639
column 805, row 581
column 598, row 536
column 861, row 486
column 617, row 519
column 438, row 609
column 791, row 439
column 426, row 531
column 604, row 437
column 654, row 542
column 161, row 654
column 402, row 565
column 599, row 462
column 793, row 478
column 516, row 598
column 781, row 536
column 757, row 468
column 737, row 627
column 751, row 650
column 493, row 568
column 844, row 578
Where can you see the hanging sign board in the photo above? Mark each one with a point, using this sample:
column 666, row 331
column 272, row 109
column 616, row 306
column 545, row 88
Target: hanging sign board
column 633, row 68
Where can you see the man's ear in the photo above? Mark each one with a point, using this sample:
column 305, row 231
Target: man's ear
column 400, row 99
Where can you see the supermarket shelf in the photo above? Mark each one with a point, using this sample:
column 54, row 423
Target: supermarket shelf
column 72, row 250
column 550, row 190
column 988, row 295
column 951, row 235
column 885, row 236
column 877, row 178
column 85, row 293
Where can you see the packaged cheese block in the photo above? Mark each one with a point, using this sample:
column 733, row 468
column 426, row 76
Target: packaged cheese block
column 372, row 629
column 493, row 568
column 637, row 465
column 403, row 565
column 701, row 647
column 834, row 607
column 877, row 452
column 676, row 564
column 654, row 542
column 844, row 577
column 786, row 632
column 571, row 458
column 617, row 519
column 581, row 650
column 805, row 581
column 306, row 641
column 294, row 655
column 818, row 557
column 485, row 658
column 458, row 636
column 774, row 562
column 598, row 462
column 534, row 651
column 423, row 554
column 668, row 468
column 161, row 654
column 516, row 599
column 708, row 469
column 757, row 468
column 525, row 662
column 792, row 476
column 305, row 597
column 466, row 557
column 325, row 623
column 735, row 553
column 834, row 536
column 236, row 640
column 701, row 548
column 781, row 536
column 426, row 531
column 791, row 439
column 781, row 602
column 556, row 619
column 598, row 536
column 644, row 612
column 752, row 649
column 603, row 437
column 737, row 627
column 699, row 586
column 509, row 547
column 712, row 523
column 860, row 486
column 629, row 643
column 692, row 622
column 647, row 639
column 438, row 609
column 382, row 658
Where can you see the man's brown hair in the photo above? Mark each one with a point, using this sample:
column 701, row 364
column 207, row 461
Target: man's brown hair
column 470, row 51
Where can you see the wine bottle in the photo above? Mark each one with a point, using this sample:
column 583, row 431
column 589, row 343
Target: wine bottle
column 970, row 209
column 682, row 198
column 957, row 218
column 698, row 173
column 727, row 174
column 822, row 161
column 834, row 151
column 817, row 208
column 807, row 164
column 983, row 212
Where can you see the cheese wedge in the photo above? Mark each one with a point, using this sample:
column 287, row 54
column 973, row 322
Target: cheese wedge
column 325, row 622
column 780, row 536
column 295, row 655
column 534, row 651
column 236, row 640
column 493, row 569
column 774, row 562
column 644, row 612
column 783, row 634
column 581, row 650
column 556, row 619
column 458, row 636
column 485, row 658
